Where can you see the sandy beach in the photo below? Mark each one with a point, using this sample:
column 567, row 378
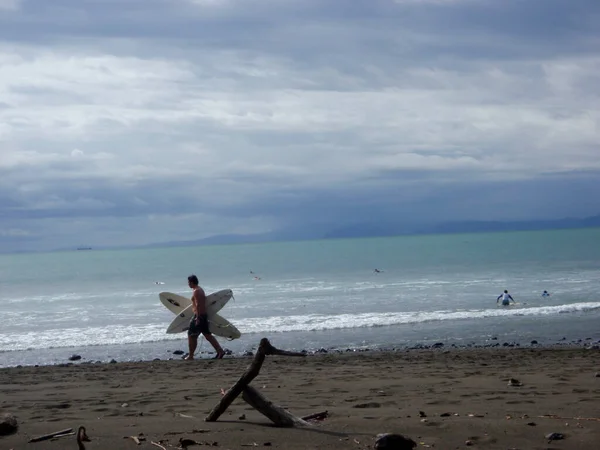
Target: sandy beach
column 443, row 399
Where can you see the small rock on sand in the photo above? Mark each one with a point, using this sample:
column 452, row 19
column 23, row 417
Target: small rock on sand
column 555, row 436
column 390, row 441
column 514, row 382
column 8, row 424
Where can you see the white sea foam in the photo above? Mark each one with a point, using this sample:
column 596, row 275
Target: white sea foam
column 80, row 337
column 315, row 322
column 131, row 334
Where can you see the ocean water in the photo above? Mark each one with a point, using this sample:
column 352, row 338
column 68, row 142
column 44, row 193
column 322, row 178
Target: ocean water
column 310, row 295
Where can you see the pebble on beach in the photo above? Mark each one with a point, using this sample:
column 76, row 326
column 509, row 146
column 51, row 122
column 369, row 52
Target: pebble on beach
column 388, row 441
column 8, row 424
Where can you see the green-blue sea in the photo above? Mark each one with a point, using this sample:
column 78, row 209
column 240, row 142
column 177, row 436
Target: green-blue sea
column 309, row 295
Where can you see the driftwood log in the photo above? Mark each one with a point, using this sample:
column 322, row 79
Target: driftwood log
column 45, row 437
column 279, row 416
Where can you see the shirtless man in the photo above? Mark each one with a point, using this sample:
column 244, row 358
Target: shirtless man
column 199, row 323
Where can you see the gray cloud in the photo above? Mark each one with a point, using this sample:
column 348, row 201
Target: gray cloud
column 121, row 120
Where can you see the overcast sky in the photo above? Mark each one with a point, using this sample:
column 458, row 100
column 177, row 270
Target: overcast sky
column 137, row 121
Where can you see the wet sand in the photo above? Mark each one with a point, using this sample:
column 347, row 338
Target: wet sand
column 463, row 396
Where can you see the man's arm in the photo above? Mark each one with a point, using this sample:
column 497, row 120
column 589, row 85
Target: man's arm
column 513, row 300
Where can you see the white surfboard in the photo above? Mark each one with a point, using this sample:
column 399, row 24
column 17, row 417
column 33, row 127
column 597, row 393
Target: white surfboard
column 219, row 326
column 181, row 306
column 214, row 302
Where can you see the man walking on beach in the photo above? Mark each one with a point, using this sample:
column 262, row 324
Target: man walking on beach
column 199, row 323
column 506, row 298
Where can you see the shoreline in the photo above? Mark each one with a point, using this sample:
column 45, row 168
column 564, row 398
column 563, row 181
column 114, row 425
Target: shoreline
column 492, row 343
column 440, row 398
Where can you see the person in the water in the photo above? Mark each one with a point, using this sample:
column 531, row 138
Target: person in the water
column 506, row 298
column 545, row 294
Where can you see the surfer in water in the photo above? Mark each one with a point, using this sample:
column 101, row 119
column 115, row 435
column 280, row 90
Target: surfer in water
column 199, row 323
column 506, row 298
column 545, row 294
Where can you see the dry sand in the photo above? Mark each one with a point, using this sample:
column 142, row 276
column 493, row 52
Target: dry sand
column 464, row 394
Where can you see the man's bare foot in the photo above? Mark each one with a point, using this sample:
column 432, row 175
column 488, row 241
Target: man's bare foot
column 219, row 355
column 189, row 358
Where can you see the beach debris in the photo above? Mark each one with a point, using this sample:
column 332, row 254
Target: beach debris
column 468, row 443
column 554, row 416
column 424, row 420
column 124, row 405
column 532, row 424
column 201, row 430
column 81, row 438
column 242, row 417
column 8, row 424
column 58, row 436
column 185, row 443
column 368, row 405
column 446, row 414
column 278, row 415
column 137, row 439
column 74, row 357
column 158, row 445
column 597, row 375
column 178, row 352
column 185, row 416
column 422, row 414
column 112, row 361
column 389, row 441
column 45, row 437
column 317, row 416
column 514, row 382
column 554, row 437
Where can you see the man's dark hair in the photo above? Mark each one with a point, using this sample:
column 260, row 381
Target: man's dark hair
column 193, row 279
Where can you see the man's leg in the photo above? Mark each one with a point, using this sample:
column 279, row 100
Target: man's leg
column 213, row 341
column 192, row 344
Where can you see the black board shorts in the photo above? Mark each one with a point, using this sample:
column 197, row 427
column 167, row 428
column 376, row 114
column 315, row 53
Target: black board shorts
column 198, row 328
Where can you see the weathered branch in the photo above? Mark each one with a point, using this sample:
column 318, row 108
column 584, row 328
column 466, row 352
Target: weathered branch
column 45, row 437
column 265, row 348
column 279, row 416
column 316, row 416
